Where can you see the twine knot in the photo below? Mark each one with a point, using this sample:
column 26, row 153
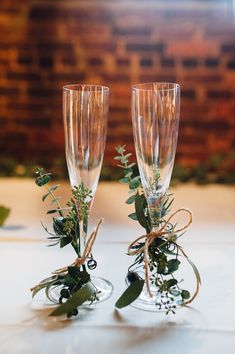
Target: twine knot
column 87, row 250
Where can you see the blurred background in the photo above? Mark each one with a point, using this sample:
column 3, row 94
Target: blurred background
column 47, row 44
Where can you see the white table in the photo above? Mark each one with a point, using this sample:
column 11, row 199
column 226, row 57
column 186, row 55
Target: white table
column 207, row 327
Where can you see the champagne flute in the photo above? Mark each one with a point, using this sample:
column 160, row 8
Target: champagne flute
column 155, row 120
column 85, row 112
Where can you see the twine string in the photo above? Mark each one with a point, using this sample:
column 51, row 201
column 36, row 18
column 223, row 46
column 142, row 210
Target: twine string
column 87, row 250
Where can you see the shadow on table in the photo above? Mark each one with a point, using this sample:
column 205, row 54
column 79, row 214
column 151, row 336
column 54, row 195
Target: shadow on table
column 165, row 335
column 42, row 319
column 12, row 227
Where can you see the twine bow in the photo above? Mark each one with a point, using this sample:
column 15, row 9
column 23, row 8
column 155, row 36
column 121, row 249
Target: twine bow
column 87, row 250
column 150, row 237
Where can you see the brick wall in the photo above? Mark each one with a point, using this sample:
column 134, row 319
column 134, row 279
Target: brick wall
column 47, row 44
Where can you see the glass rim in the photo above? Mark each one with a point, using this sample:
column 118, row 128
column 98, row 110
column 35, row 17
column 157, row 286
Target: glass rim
column 82, row 87
column 172, row 86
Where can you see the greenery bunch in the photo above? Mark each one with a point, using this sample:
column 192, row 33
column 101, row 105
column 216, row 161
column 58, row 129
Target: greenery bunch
column 164, row 252
column 72, row 283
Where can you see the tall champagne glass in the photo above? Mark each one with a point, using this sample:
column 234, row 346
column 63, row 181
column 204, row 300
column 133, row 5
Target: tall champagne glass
column 155, row 120
column 85, row 111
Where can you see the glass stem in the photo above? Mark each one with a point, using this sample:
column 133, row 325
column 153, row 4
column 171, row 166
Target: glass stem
column 82, row 241
column 155, row 212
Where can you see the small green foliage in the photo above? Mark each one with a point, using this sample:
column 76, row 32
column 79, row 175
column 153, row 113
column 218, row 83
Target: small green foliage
column 163, row 252
column 42, row 178
column 4, row 213
column 74, row 283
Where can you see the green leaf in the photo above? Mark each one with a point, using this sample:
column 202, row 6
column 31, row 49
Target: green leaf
column 140, row 205
column 118, row 158
column 69, row 281
column 128, row 173
column 52, row 211
column 124, row 180
column 78, row 298
column 185, row 294
column 65, row 241
column 43, row 284
column 4, row 213
column 37, row 289
column 42, row 180
column 74, row 272
column 131, row 165
column 45, row 196
column 196, row 271
column 173, row 265
column 133, row 216
column 171, row 282
column 127, row 155
column 120, row 149
column 135, row 183
column 130, row 200
column 58, row 226
column 130, row 294
column 53, row 188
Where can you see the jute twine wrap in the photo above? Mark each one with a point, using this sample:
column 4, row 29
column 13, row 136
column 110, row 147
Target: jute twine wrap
column 150, row 237
column 87, row 250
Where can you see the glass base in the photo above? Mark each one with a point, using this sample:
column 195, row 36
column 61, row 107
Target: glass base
column 157, row 303
column 104, row 291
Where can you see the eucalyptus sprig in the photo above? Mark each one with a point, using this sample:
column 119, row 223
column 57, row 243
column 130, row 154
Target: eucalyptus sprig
column 72, row 283
column 164, row 253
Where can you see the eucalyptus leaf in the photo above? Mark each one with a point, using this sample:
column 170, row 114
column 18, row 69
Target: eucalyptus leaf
column 78, row 298
column 135, row 183
column 140, row 205
column 124, row 180
column 185, row 294
column 118, row 158
column 131, row 165
column 120, row 149
column 173, row 265
column 52, row 211
column 133, row 216
column 53, row 188
column 130, row 294
column 130, row 200
column 128, row 155
column 171, row 282
column 43, row 179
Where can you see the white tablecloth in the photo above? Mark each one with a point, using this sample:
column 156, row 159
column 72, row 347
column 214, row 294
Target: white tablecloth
column 208, row 326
